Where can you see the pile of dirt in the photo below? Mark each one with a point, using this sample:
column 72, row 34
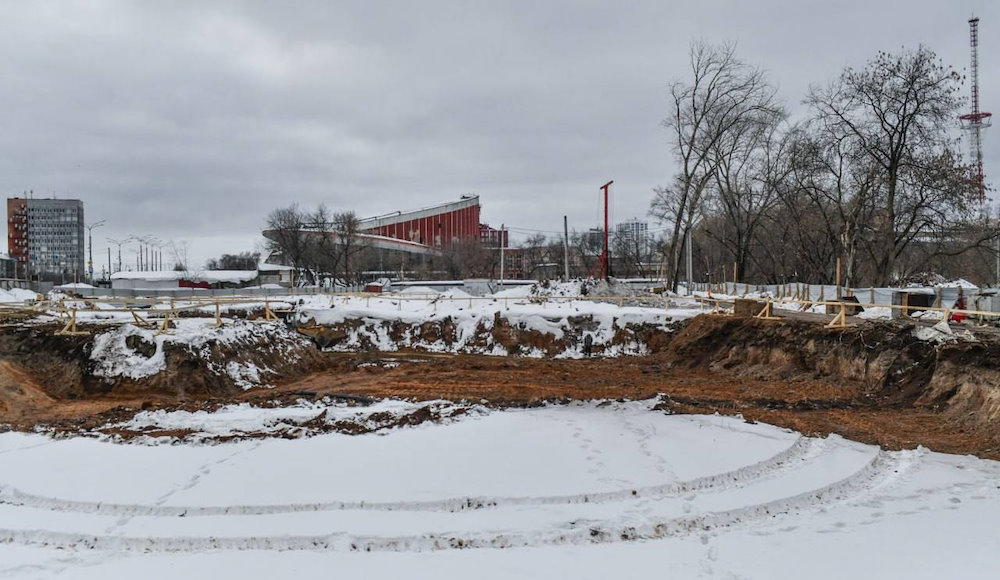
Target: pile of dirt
column 39, row 367
column 884, row 364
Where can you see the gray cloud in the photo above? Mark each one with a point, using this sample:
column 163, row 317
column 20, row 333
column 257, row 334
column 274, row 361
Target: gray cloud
column 190, row 120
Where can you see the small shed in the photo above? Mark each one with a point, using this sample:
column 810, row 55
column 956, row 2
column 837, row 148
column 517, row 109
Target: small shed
column 276, row 274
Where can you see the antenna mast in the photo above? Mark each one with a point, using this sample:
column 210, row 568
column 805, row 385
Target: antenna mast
column 977, row 120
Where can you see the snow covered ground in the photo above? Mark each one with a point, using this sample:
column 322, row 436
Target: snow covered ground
column 587, row 490
column 17, row 295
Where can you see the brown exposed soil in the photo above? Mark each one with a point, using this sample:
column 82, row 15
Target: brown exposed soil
column 873, row 382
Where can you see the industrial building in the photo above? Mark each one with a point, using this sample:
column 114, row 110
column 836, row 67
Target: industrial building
column 426, row 230
column 45, row 236
column 436, row 226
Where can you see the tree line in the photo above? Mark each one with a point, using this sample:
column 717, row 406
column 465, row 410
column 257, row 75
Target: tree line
column 870, row 175
column 323, row 245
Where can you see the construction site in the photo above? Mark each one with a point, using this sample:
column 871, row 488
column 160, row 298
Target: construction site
column 79, row 366
column 794, row 373
column 860, row 394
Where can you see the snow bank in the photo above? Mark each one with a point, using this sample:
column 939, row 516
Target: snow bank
column 17, row 295
column 417, row 291
column 132, row 352
column 573, row 288
column 210, row 276
column 959, row 283
column 304, row 417
column 372, row 322
column 876, row 313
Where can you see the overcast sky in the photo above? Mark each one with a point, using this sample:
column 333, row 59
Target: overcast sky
column 190, row 121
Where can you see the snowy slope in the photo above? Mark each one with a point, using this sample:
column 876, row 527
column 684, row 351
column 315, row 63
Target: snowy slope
column 473, row 318
column 581, row 491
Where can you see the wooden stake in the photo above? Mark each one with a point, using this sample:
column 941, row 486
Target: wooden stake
column 838, row 279
column 139, row 320
column 70, row 328
column 767, row 313
column 840, row 320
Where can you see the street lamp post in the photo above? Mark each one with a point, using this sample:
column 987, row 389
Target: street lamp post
column 90, row 258
column 119, row 243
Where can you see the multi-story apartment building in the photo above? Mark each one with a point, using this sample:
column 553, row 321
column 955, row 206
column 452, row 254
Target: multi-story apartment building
column 45, row 236
column 635, row 234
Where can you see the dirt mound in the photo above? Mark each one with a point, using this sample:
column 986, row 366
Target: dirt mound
column 885, row 362
column 37, row 366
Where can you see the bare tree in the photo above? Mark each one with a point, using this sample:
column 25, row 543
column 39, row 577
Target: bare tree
column 722, row 92
column 347, row 226
column 240, row 261
column 898, row 112
column 751, row 165
column 585, row 247
column 284, row 235
column 179, row 252
column 469, row 259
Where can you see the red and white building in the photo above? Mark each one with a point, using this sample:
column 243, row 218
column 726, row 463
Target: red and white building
column 437, row 226
column 427, row 230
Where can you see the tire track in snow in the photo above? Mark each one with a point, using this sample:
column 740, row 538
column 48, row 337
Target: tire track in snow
column 879, row 471
column 802, row 450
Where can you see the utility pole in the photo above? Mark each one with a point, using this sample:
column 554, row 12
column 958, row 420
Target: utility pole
column 605, row 256
column 565, row 249
column 90, row 259
column 118, row 243
column 502, row 244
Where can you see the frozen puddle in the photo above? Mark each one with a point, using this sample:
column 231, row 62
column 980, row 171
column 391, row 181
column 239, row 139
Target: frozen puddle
column 548, row 479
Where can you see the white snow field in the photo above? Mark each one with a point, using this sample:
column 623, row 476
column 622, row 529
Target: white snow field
column 586, row 490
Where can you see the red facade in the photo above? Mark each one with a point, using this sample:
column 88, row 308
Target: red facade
column 431, row 228
column 17, row 230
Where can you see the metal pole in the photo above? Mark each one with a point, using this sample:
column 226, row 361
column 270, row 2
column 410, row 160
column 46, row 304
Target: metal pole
column 501, row 254
column 566, row 250
column 690, row 262
column 604, row 256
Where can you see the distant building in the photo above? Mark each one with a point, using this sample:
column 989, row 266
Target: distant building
column 493, row 237
column 7, row 265
column 45, row 236
column 635, row 234
column 420, row 232
column 170, row 279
